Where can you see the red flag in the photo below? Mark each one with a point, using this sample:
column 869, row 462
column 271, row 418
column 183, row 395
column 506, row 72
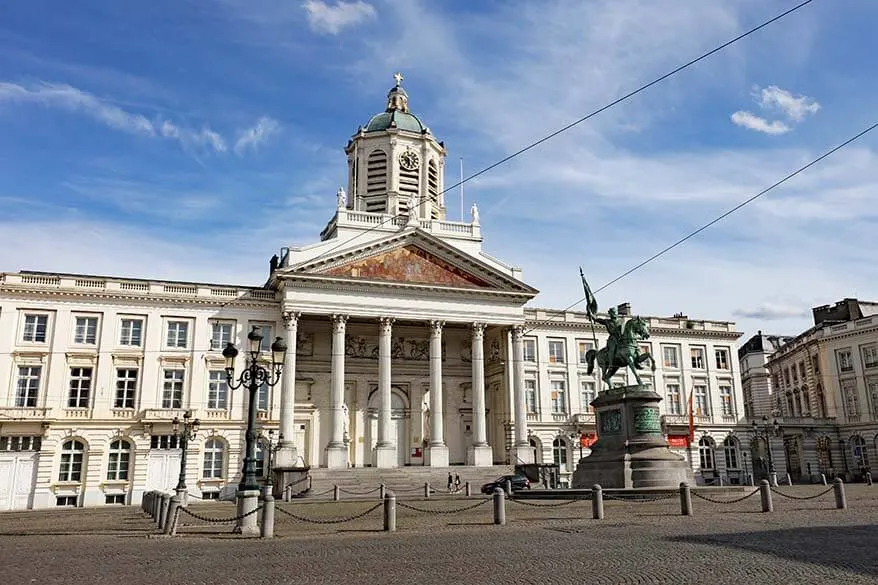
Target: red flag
column 691, row 420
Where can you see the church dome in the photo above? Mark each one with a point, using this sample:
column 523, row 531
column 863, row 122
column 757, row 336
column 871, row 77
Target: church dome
column 397, row 114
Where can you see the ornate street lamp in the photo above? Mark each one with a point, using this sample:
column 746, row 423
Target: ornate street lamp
column 184, row 435
column 764, row 432
column 251, row 378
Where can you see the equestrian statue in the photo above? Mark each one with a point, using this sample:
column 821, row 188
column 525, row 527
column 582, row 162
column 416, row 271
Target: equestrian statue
column 621, row 351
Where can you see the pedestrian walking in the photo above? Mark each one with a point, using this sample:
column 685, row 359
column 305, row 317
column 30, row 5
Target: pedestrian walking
column 450, row 482
column 456, row 483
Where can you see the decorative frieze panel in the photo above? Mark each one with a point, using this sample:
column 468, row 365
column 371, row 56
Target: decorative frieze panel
column 401, row 348
column 305, row 344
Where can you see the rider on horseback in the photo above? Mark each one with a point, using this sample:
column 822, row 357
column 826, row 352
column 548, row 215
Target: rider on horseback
column 614, row 329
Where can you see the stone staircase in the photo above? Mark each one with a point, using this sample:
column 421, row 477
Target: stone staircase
column 408, row 481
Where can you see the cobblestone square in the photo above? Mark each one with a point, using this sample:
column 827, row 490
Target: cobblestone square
column 545, row 542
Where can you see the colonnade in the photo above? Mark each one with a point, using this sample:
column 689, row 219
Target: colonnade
column 479, row 452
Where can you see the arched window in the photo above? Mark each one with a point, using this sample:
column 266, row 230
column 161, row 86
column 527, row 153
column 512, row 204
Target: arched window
column 559, row 452
column 824, row 454
column 730, row 450
column 119, row 460
column 705, row 454
column 376, row 182
column 821, row 402
column 72, row 452
column 860, row 452
column 214, row 450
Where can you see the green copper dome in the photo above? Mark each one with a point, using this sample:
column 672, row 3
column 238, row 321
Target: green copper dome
column 395, row 119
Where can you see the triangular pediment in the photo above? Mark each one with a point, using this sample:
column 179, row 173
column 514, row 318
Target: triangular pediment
column 408, row 263
column 412, row 258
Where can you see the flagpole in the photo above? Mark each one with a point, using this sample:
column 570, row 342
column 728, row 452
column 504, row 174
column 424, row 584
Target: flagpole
column 590, row 309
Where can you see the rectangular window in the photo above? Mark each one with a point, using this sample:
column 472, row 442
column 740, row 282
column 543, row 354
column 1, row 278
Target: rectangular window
column 118, row 464
column 71, row 467
column 530, row 396
column 217, row 391
column 86, row 331
column 18, row 443
column 586, row 395
column 669, row 354
column 267, row 339
column 65, row 501
column 126, row 388
column 35, row 327
column 675, row 404
column 584, row 347
column 852, row 401
column 802, row 370
column 131, row 332
column 221, row 334
column 115, row 499
column 263, row 397
column 845, row 361
column 725, row 396
column 702, row 406
column 697, row 354
column 795, row 374
column 80, row 388
column 163, row 442
column 28, row 387
column 870, row 356
column 172, row 394
column 722, row 358
column 556, row 351
column 559, row 397
column 530, row 350
column 178, row 334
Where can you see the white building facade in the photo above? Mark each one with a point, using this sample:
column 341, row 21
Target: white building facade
column 408, row 346
column 825, row 395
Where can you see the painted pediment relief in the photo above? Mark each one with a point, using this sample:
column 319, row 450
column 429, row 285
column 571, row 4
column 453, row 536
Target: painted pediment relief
column 408, row 264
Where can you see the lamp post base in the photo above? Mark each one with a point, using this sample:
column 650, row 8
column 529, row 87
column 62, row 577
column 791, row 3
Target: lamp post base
column 248, row 500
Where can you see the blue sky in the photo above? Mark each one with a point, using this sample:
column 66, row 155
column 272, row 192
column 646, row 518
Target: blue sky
column 191, row 139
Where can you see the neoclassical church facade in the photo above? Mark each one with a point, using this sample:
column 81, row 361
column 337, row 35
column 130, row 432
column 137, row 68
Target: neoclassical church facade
column 409, row 345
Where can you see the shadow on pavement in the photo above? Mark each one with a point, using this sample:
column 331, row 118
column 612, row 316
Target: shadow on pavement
column 850, row 548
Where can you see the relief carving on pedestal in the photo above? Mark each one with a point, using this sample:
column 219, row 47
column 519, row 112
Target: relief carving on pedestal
column 305, row 344
column 494, row 355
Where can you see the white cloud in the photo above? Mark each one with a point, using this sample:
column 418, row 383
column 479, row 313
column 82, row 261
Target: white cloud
column 794, row 107
column 773, row 98
column 772, row 312
column 332, row 19
column 75, row 100
column 754, row 122
column 256, row 135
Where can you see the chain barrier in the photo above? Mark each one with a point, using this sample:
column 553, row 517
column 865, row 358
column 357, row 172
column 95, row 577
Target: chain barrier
column 814, row 497
column 356, row 493
column 218, row 520
column 409, row 490
column 323, row 493
column 554, row 505
column 640, row 500
column 455, row 511
column 330, row 520
column 733, row 501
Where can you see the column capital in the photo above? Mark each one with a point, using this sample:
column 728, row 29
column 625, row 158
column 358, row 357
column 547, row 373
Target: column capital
column 478, row 329
column 385, row 324
column 338, row 322
column 290, row 319
column 436, row 327
column 517, row 332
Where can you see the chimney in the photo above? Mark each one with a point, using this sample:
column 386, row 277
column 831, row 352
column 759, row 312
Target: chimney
column 624, row 310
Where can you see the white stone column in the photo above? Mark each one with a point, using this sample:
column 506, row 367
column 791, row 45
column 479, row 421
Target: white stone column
column 287, row 455
column 479, row 453
column 384, row 454
column 336, row 452
column 437, row 450
column 521, row 450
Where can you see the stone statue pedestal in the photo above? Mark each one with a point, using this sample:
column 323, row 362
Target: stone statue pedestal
column 630, row 451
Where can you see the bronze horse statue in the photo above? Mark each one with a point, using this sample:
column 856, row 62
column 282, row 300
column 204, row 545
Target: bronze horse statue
column 626, row 353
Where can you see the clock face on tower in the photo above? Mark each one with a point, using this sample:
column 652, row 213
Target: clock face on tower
column 409, row 160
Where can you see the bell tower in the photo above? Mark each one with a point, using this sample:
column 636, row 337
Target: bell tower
column 394, row 162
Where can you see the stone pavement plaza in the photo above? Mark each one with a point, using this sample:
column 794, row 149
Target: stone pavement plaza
column 803, row 541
